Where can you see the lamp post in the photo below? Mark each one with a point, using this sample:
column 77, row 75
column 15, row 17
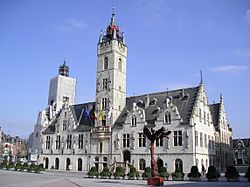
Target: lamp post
column 154, row 135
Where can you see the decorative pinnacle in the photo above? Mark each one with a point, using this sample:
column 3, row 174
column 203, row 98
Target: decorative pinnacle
column 201, row 76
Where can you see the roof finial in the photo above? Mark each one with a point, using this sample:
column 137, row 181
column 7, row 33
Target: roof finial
column 201, row 76
column 113, row 14
column 221, row 98
column 167, row 92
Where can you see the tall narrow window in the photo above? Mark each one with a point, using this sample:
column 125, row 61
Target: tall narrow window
column 80, row 141
column 205, row 118
column 64, row 125
column 58, row 141
column 106, row 62
column 142, row 164
column 126, row 140
column 177, row 138
column 167, row 117
column 104, row 103
column 104, row 121
column 159, row 142
column 196, row 138
column 133, row 121
column 205, row 140
column 105, row 84
column 47, row 143
column 208, row 119
column 142, row 140
column 120, row 64
column 69, row 141
column 201, row 139
column 209, row 142
column 100, row 147
column 200, row 115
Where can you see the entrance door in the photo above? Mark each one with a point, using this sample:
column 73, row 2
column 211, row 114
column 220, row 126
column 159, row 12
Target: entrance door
column 67, row 163
column 79, row 164
column 57, row 163
column 178, row 165
column 126, row 157
column 46, row 163
column 159, row 163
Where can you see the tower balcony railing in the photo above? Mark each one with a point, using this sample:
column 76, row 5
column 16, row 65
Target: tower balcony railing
column 101, row 132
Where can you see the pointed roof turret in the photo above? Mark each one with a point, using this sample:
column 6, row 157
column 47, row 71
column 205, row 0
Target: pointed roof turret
column 112, row 31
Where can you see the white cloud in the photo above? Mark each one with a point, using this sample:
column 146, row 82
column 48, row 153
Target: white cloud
column 76, row 23
column 230, row 68
column 71, row 24
column 247, row 15
column 242, row 52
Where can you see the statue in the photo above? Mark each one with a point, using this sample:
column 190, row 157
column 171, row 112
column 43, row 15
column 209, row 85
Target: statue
column 154, row 135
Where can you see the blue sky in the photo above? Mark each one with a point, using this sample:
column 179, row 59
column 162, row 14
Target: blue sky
column 169, row 42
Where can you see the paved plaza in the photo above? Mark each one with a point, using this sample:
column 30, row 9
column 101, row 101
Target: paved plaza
column 70, row 179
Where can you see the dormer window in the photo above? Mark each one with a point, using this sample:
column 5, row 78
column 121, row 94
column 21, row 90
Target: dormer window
column 105, row 64
column 167, row 117
column 133, row 123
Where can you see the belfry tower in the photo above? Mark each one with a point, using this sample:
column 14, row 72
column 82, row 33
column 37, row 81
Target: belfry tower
column 111, row 74
column 62, row 90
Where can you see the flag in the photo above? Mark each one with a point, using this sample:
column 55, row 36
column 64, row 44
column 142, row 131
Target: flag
column 101, row 116
column 94, row 116
column 86, row 114
column 109, row 113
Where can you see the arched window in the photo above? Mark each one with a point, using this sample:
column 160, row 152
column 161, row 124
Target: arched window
column 79, row 164
column 120, row 64
column 46, row 163
column 142, row 164
column 106, row 62
column 178, row 165
column 105, row 160
column 57, row 163
column 167, row 117
column 133, row 121
column 67, row 164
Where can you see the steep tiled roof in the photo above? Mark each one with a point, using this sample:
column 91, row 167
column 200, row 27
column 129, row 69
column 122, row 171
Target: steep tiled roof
column 84, row 123
column 215, row 108
column 183, row 99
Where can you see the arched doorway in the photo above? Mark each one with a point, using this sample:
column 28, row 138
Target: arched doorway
column 67, row 163
column 178, row 165
column 126, row 157
column 159, row 163
column 79, row 164
column 97, row 163
column 46, row 163
column 57, row 163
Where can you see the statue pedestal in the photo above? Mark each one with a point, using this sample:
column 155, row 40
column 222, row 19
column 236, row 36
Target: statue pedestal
column 156, row 181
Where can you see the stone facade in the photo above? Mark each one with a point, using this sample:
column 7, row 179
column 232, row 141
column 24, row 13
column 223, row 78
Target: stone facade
column 109, row 131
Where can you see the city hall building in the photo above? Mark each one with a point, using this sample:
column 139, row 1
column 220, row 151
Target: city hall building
column 109, row 131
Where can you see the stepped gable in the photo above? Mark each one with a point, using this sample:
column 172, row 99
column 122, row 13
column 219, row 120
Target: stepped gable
column 79, row 118
column 183, row 99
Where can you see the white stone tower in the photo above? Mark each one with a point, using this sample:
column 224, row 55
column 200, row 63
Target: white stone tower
column 62, row 90
column 111, row 74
